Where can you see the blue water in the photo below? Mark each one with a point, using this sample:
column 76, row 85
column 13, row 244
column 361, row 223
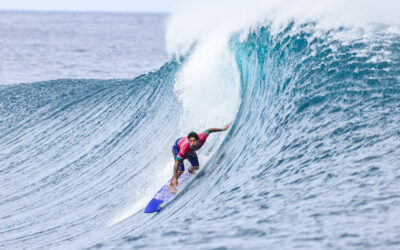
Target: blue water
column 37, row 46
column 311, row 160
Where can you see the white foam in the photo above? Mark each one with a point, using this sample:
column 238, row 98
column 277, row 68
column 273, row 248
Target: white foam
column 208, row 87
column 208, row 83
column 192, row 21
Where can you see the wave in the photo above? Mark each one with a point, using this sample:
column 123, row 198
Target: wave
column 310, row 160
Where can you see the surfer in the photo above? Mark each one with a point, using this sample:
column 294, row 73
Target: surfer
column 184, row 148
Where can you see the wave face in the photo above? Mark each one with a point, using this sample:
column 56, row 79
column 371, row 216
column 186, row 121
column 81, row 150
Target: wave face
column 74, row 152
column 311, row 160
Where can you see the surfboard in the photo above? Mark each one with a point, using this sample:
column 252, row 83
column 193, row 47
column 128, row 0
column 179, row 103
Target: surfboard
column 163, row 196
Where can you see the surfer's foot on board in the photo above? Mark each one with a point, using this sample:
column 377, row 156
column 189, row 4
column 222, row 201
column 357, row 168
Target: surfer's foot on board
column 193, row 169
column 172, row 189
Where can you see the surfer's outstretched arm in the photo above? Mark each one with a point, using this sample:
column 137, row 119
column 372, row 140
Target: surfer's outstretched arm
column 212, row 130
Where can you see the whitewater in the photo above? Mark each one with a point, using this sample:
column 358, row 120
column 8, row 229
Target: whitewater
column 311, row 161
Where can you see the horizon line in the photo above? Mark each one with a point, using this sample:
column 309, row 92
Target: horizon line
column 86, row 11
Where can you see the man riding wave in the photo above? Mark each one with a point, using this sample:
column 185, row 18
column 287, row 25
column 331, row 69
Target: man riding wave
column 184, row 148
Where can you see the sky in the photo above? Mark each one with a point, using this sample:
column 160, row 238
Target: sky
column 90, row 5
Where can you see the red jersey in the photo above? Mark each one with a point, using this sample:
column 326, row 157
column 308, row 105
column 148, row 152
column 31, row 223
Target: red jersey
column 184, row 146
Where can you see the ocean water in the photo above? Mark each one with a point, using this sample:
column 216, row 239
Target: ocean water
column 37, row 46
column 311, row 160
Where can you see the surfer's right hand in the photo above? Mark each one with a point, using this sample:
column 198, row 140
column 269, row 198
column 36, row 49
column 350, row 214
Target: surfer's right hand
column 172, row 185
column 174, row 181
column 172, row 189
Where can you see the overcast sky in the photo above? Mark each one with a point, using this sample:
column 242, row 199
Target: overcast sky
column 90, row 5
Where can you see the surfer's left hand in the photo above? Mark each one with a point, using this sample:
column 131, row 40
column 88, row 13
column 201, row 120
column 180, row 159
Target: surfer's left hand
column 227, row 126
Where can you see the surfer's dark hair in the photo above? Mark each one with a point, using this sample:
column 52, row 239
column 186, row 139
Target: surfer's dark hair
column 193, row 134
